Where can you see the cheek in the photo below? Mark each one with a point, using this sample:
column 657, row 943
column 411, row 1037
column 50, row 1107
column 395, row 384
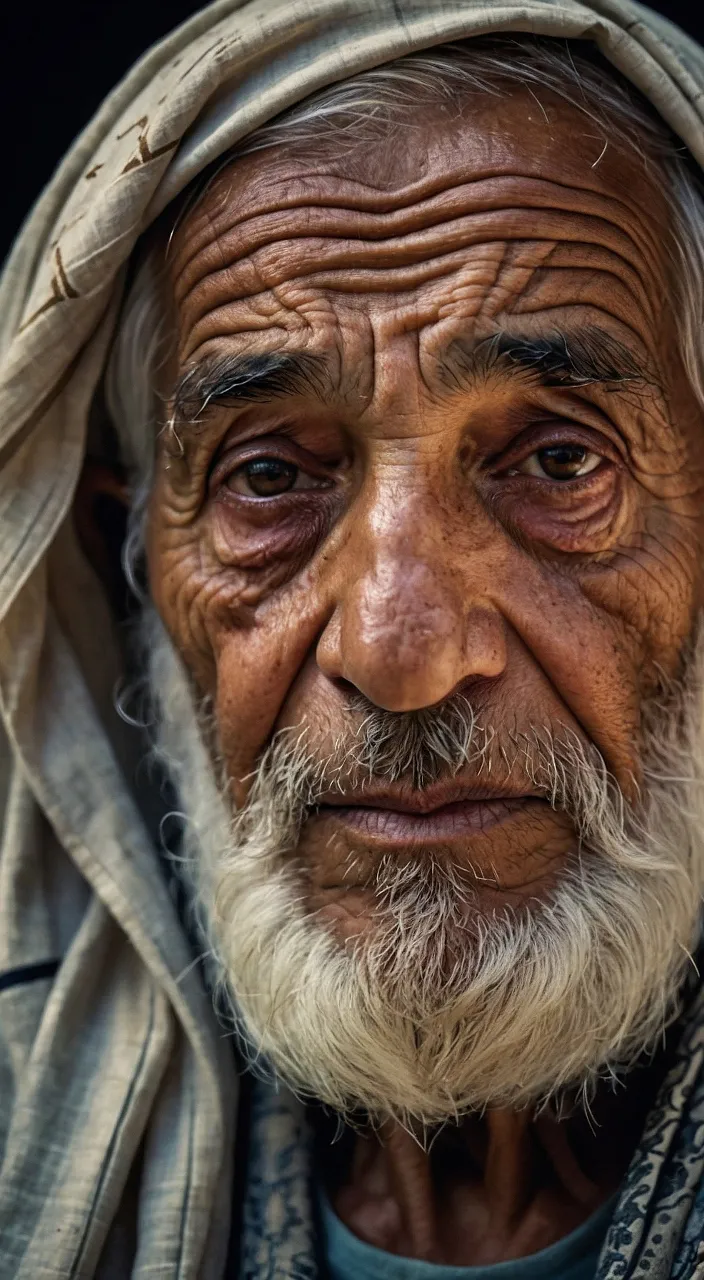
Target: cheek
column 652, row 581
column 243, row 616
column 654, row 588
column 255, row 670
column 602, row 636
column 243, row 657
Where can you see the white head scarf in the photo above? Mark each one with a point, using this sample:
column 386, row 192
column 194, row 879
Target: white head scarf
column 117, row 1088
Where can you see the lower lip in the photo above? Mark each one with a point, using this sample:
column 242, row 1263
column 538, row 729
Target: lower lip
column 461, row 820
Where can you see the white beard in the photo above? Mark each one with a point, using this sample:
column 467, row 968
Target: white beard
column 533, row 1003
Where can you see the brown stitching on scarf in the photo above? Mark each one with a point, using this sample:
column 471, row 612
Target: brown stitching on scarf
column 216, row 43
column 68, row 287
column 146, row 153
column 56, row 296
column 138, row 124
column 61, row 289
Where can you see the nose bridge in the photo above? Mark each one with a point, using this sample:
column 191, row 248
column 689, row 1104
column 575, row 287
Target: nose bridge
column 412, row 619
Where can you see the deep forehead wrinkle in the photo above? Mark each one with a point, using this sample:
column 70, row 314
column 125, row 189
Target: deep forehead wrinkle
column 322, row 199
column 329, row 236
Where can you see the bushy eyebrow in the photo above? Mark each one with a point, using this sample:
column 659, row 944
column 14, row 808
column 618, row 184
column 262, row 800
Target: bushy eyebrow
column 576, row 358
column 579, row 358
column 240, row 378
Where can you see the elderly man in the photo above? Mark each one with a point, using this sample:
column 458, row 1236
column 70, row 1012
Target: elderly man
column 363, row 945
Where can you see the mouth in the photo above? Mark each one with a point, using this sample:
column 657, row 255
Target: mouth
column 438, row 815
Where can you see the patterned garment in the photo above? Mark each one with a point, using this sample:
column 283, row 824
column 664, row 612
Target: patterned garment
column 657, row 1231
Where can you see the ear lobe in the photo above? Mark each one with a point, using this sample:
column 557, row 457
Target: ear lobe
column 100, row 511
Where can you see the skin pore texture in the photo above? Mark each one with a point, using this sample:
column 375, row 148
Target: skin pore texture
column 410, row 512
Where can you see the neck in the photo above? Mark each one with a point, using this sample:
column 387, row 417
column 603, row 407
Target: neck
column 493, row 1188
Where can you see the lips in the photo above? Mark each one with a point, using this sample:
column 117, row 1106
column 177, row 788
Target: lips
column 463, row 819
column 432, row 816
column 437, row 795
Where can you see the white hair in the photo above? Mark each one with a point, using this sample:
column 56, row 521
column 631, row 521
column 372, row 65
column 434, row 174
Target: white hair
column 439, row 1008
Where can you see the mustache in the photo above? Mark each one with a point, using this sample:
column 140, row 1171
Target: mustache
column 417, row 749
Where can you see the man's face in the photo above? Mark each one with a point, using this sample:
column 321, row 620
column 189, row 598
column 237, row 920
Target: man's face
column 449, row 448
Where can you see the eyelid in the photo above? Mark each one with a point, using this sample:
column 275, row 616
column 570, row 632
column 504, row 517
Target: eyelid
column 262, row 447
column 543, row 435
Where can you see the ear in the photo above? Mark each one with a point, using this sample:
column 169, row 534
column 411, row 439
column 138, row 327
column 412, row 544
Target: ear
column 100, row 510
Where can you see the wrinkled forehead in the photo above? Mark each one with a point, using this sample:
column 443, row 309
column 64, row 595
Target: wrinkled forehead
column 356, row 220
column 519, row 134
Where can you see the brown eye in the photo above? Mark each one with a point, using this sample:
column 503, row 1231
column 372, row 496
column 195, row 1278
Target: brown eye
column 560, row 462
column 264, row 477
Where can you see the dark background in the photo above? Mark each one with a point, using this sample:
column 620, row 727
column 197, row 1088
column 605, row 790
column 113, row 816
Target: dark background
column 60, row 59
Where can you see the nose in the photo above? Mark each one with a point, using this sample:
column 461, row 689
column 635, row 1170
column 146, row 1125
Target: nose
column 407, row 633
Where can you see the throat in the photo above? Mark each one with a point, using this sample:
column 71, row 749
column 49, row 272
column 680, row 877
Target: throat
column 493, row 1188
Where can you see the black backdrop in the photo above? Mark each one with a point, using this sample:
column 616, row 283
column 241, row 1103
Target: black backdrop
column 59, row 59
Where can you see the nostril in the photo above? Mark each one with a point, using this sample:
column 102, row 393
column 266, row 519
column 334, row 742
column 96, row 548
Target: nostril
column 346, row 688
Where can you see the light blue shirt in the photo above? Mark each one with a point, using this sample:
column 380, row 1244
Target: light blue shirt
column 572, row 1258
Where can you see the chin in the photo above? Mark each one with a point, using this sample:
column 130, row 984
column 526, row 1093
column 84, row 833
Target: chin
column 357, row 912
column 418, row 1005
